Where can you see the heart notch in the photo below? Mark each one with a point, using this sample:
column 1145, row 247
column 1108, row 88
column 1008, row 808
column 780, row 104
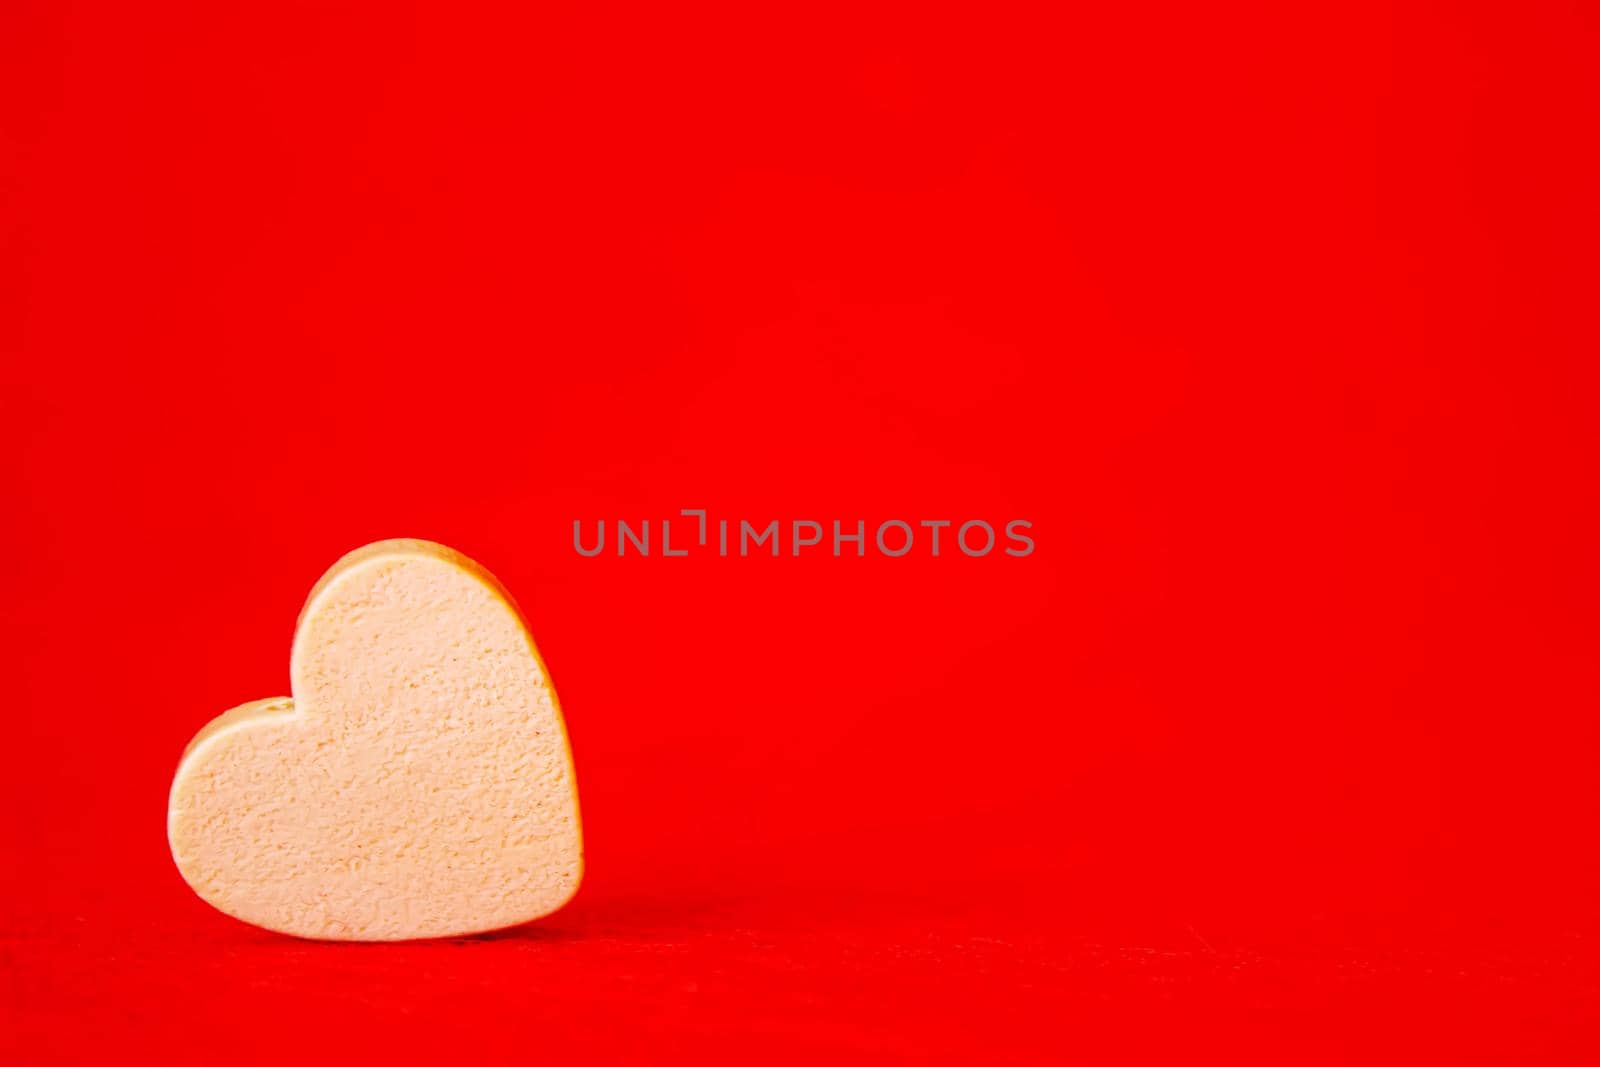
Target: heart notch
column 418, row 784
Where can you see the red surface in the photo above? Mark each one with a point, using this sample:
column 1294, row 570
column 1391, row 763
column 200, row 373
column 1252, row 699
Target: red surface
column 1278, row 323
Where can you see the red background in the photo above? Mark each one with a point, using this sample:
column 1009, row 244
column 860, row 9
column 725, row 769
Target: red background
column 1277, row 323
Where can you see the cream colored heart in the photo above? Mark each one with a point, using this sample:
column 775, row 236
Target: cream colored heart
column 419, row 783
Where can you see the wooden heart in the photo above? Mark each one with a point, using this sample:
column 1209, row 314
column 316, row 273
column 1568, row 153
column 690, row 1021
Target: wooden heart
column 419, row 783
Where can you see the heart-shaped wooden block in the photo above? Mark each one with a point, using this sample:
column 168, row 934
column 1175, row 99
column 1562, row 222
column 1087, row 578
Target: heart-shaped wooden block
column 419, row 783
